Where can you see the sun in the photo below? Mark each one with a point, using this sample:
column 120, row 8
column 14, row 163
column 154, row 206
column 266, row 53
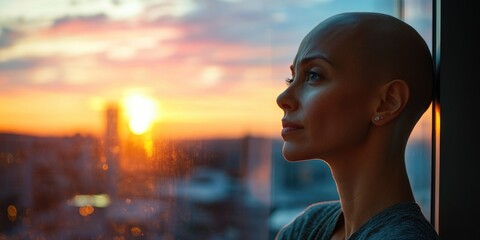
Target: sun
column 141, row 113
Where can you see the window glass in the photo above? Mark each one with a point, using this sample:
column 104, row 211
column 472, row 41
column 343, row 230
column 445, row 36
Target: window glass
column 419, row 149
column 156, row 119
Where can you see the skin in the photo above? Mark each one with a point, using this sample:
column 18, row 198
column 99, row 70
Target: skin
column 360, row 82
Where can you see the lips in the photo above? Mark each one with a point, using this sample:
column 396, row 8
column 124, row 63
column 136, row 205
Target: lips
column 290, row 127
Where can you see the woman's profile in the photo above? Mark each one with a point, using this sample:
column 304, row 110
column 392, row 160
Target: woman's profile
column 360, row 82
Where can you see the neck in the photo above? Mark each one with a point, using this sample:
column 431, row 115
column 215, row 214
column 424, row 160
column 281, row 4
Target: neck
column 369, row 186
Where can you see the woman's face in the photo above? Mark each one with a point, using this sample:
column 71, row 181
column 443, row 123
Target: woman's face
column 328, row 104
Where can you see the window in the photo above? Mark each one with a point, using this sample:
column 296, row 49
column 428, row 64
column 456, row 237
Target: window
column 157, row 119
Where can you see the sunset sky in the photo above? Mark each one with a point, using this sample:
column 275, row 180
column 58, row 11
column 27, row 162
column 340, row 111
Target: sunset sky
column 213, row 68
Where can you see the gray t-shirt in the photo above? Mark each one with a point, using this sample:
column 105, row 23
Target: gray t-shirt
column 403, row 221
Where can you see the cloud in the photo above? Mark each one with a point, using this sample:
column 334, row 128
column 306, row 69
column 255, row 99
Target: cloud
column 14, row 73
column 8, row 37
column 86, row 20
column 206, row 51
column 48, row 10
column 18, row 64
column 233, row 22
column 168, row 9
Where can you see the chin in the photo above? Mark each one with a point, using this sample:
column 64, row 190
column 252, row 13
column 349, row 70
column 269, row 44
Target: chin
column 294, row 154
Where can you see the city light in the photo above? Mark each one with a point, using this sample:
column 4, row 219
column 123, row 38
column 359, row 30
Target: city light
column 12, row 213
column 86, row 210
column 100, row 200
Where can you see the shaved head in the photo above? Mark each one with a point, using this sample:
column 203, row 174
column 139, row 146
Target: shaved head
column 382, row 48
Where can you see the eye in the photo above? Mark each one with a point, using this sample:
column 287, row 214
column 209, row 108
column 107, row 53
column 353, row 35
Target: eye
column 313, row 76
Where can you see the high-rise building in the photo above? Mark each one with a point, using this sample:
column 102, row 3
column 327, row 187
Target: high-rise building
column 112, row 149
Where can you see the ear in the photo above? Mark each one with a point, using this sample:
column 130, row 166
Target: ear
column 394, row 98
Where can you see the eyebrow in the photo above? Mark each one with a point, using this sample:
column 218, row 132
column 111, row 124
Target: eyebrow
column 310, row 58
column 316, row 56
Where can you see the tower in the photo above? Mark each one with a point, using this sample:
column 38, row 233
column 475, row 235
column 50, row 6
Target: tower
column 112, row 149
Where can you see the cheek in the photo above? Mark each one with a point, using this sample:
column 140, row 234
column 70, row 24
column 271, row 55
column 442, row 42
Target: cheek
column 337, row 121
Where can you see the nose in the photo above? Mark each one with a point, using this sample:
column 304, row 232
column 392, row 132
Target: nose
column 286, row 100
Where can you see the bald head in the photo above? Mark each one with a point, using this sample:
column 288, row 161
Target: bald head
column 379, row 48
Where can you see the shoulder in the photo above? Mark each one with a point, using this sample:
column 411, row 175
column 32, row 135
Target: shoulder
column 314, row 218
column 403, row 221
column 321, row 209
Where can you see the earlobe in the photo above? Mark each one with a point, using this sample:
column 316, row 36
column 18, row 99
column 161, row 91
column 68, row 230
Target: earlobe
column 394, row 97
column 378, row 118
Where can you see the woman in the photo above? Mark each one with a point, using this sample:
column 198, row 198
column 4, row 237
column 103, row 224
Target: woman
column 360, row 82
